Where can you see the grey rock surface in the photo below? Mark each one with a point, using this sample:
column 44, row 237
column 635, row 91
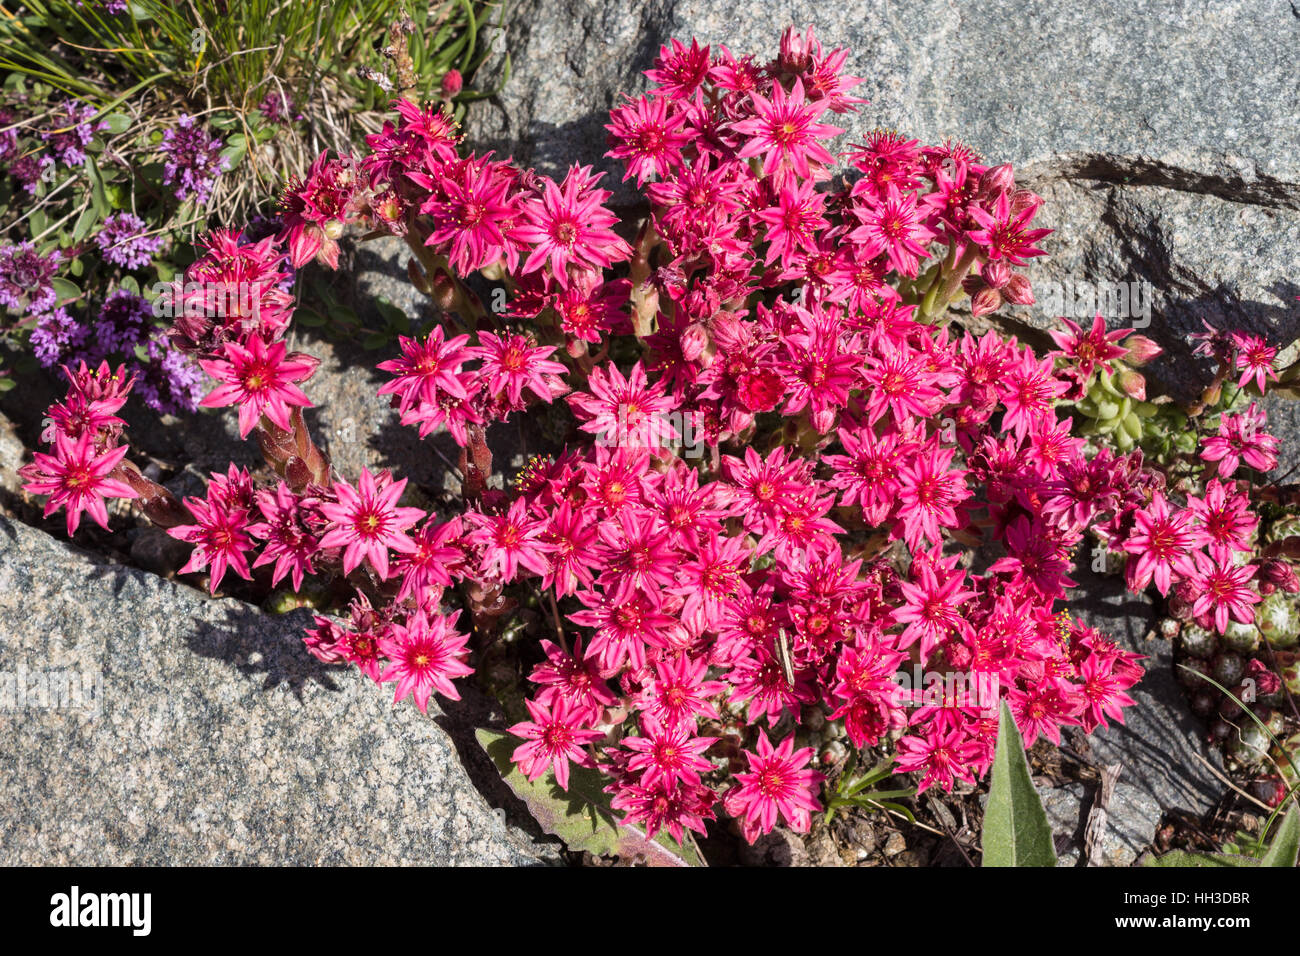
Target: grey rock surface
column 154, row 726
column 1130, row 822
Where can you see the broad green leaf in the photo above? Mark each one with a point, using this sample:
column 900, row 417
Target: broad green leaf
column 117, row 122
column 1016, row 832
column 64, row 288
column 1286, row 845
column 581, row 816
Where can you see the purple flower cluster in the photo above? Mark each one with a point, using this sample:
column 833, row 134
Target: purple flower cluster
column 123, row 242
column 8, row 136
column 69, row 130
column 25, row 278
column 192, row 159
column 57, row 337
column 278, row 107
column 168, row 380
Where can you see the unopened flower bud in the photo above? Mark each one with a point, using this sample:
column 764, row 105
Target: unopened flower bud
column 824, row 420
column 694, row 340
column 984, row 301
column 1279, row 574
column 1141, row 350
column 416, row 275
column 443, row 291
column 1133, row 384
column 1024, row 199
column 452, row 83
column 1018, row 291
column 997, row 180
column 996, row 273
column 333, row 229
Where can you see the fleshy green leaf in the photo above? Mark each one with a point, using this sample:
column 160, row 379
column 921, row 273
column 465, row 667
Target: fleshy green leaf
column 581, row 816
column 1016, row 832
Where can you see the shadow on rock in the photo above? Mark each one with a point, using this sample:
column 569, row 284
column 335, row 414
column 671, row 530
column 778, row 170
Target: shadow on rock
column 255, row 644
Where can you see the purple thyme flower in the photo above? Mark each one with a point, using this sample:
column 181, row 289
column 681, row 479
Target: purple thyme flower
column 69, row 129
column 25, row 277
column 123, row 244
column 124, row 322
column 191, row 159
column 57, row 337
column 8, row 136
column 170, row 382
column 277, row 107
column 28, row 169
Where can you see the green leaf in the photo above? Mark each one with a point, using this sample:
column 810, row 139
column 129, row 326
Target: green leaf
column 85, row 222
column 130, row 285
column 581, row 816
column 65, row 289
column 6, row 383
column 117, row 123
column 98, row 195
column 1286, row 845
column 1016, row 832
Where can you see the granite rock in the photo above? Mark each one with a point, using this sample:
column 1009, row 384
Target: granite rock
column 155, row 726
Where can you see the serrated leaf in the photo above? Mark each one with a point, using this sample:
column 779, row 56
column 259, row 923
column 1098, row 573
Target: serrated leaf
column 1286, row 845
column 1016, row 832
column 581, row 816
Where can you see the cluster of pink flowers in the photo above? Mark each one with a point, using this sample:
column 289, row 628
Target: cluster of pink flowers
column 817, row 540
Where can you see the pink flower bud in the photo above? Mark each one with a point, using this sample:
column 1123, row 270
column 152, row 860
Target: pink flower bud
column 997, row 180
column 1133, row 384
column 1141, row 350
column 996, row 273
column 984, row 301
column 1018, row 291
column 694, row 340
column 1280, row 574
column 452, row 83
column 444, row 291
column 1024, row 199
column 824, row 420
